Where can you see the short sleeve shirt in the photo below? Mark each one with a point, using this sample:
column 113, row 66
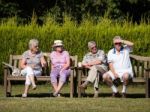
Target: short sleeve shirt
column 59, row 60
column 33, row 59
column 100, row 55
column 120, row 61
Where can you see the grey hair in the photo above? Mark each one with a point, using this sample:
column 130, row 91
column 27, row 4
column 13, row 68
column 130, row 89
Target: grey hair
column 91, row 43
column 33, row 42
column 117, row 37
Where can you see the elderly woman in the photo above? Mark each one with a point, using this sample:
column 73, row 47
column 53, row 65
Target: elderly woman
column 32, row 63
column 60, row 63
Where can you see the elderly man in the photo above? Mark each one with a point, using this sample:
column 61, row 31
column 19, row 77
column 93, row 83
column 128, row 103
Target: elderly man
column 119, row 64
column 95, row 61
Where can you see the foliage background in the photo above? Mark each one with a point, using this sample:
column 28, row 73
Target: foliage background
column 75, row 22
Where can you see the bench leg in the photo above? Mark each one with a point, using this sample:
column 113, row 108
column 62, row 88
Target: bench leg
column 5, row 87
column 75, row 84
column 71, row 85
column 147, row 88
column 79, row 83
column 9, row 89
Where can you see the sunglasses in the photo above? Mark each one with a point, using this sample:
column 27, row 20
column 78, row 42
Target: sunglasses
column 118, row 43
column 59, row 46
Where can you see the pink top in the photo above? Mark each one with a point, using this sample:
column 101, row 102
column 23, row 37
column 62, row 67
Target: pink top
column 58, row 60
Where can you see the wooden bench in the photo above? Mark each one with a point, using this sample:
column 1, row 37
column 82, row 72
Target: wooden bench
column 14, row 60
column 141, row 72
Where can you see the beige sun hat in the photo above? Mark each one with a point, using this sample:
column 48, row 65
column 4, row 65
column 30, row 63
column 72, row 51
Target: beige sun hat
column 58, row 43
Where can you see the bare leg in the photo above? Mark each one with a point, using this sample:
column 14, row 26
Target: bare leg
column 55, row 86
column 125, row 82
column 60, row 85
column 26, row 89
column 107, row 79
column 109, row 82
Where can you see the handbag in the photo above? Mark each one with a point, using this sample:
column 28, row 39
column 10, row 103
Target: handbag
column 15, row 71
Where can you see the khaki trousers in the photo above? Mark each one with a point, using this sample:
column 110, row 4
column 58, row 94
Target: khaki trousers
column 94, row 73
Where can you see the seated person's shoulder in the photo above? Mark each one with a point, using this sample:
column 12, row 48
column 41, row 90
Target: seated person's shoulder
column 26, row 53
column 88, row 54
column 52, row 53
column 111, row 51
column 65, row 53
column 101, row 51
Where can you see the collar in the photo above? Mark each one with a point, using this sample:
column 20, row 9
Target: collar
column 121, row 50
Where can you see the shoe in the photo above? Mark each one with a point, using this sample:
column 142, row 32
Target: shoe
column 55, row 94
column 95, row 95
column 24, row 95
column 117, row 82
column 115, row 94
column 83, row 87
column 34, row 87
column 124, row 95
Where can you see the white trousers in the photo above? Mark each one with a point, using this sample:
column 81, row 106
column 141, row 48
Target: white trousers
column 28, row 71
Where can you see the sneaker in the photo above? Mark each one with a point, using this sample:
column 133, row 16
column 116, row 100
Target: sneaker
column 24, row 95
column 34, row 87
column 115, row 94
column 59, row 95
column 55, row 94
column 82, row 88
column 124, row 95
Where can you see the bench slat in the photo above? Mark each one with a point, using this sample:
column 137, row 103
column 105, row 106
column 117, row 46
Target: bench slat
column 22, row 78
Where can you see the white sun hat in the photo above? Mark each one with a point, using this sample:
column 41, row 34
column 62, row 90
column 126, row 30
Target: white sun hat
column 58, row 43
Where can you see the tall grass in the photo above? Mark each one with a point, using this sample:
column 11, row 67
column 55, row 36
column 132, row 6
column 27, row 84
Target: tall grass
column 14, row 38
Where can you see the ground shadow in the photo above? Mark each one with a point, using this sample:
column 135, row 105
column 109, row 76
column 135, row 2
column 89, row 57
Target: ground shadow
column 105, row 95
column 101, row 95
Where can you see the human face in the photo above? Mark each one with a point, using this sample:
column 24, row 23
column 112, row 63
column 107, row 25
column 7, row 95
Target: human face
column 94, row 49
column 35, row 48
column 59, row 48
column 117, row 46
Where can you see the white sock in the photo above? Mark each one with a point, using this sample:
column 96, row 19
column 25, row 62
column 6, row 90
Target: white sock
column 114, row 89
column 96, row 90
column 124, row 89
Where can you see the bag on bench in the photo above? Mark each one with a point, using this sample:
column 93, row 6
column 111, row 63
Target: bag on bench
column 15, row 71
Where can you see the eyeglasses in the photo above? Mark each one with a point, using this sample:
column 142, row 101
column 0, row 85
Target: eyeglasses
column 118, row 43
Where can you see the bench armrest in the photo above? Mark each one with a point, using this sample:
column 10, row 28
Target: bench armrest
column 7, row 70
column 147, row 69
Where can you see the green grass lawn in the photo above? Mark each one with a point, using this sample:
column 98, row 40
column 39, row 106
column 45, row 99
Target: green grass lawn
column 40, row 101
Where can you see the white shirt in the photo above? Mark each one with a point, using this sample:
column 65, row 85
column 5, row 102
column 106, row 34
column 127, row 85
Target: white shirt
column 121, row 61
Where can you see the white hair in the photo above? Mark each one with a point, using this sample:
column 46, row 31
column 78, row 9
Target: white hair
column 91, row 43
column 117, row 37
column 33, row 42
